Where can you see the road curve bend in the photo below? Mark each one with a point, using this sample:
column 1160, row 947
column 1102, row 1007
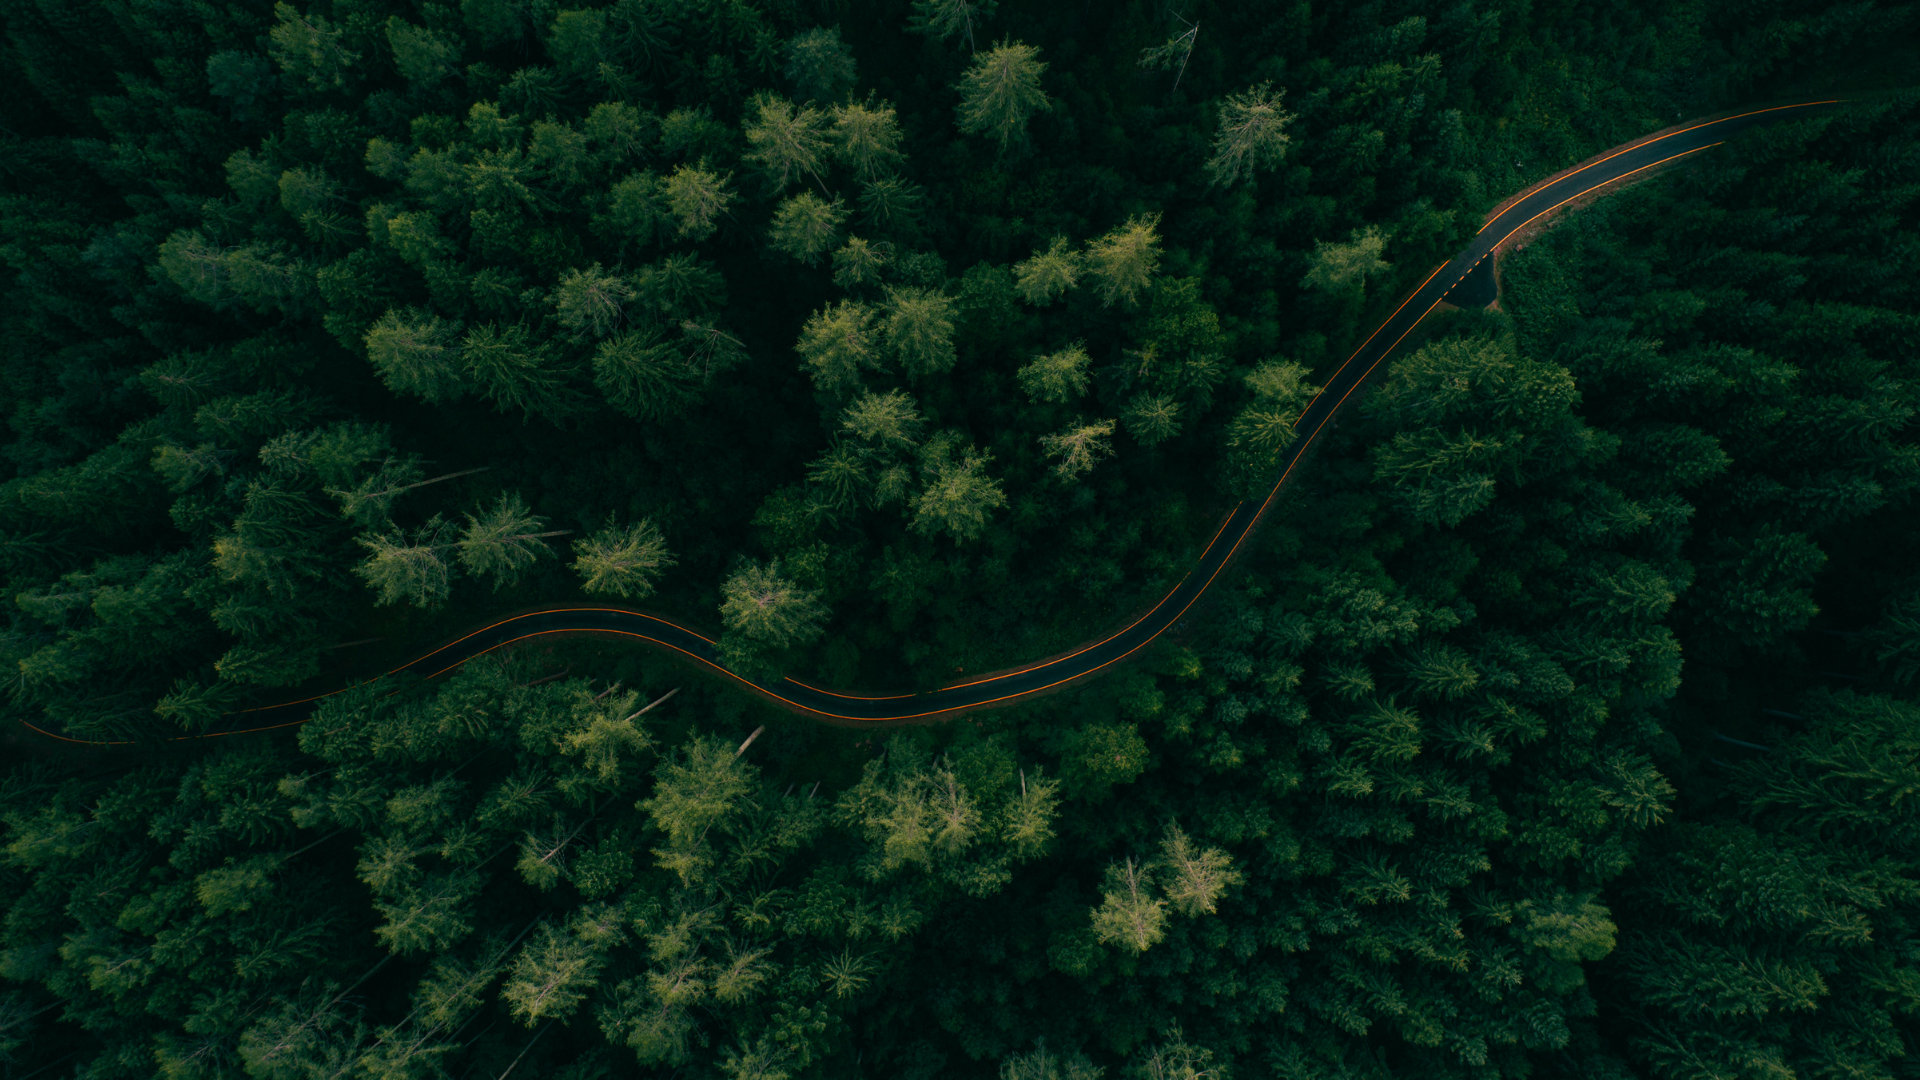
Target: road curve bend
column 1003, row 687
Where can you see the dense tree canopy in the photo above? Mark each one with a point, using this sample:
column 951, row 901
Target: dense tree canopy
column 1559, row 721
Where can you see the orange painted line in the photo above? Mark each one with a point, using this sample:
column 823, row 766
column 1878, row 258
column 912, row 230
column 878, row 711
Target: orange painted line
column 1296, row 457
column 1551, row 180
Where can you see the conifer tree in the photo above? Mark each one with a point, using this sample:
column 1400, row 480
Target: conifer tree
column 786, row 142
column 1001, row 91
column 1049, row 274
column 1078, row 448
column 866, row 137
column 806, row 226
column 1056, row 377
column 917, row 325
column 1252, row 135
column 1123, row 261
column 503, row 541
column 623, row 562
column 415, row 571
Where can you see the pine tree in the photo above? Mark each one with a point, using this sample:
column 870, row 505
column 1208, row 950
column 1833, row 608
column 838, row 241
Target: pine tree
column 416, row 572
column 1123, row 261
column 786, row 142
column 769, row 609
column 806, row 226
column 417, row 353
column 1056, row 377
column 1001, row 91
column 1049, row 274
column 958, row 495
column 502, row 542
column 836, row 343
column 943, row 19
column 1252, row 136
column 1339, row 266
column 623, row 562
column 696, row 197
column 866, row 138
column 1079, row 448
column 643, row 374
column 1129, row 914
column 917, row 325
column 1152, row 418
column 819, row 64
column 591, row 302
column 859, row 263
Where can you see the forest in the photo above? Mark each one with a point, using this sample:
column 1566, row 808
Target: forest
column 1562, row 719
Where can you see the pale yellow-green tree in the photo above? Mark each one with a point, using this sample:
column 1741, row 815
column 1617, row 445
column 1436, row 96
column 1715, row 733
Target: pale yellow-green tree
column 1336, row 266
column 1265, row 428
column 1001, row 91
column 1057, row 377
column 959, row 495
column 1130, row 915
column 859, row 263
column 1195, row 877
column 1049, row 274
column 591, row 303
column 806, row 226
column 622, row 561
column 1078, row 448
column 836, row 344
column 918, row 327
column 413, row 571
column 417, row 353
column 889, row 422
column 786, row 142
column 1252, row 135
column 1123, row 261
column 756, row 601
column 1152, row 418
column 696, row 196
column 866, row 137
column 503, row 541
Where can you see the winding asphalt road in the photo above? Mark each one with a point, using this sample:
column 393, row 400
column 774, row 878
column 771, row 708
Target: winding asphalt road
column 1008, row 686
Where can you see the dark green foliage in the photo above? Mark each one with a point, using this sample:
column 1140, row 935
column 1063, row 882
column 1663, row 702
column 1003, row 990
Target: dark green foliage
column 907, row 340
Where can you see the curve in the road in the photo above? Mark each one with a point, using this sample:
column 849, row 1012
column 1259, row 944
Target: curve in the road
column 1023, row 682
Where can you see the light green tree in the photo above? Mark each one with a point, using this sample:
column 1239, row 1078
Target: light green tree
column 696, row 196
column 1252, row 135
column 1123, row 261
column 591, row 302
column 1056, row 377
column 918, row 327
column 785, row 142
column 1336, row 266
column 806, row 226
column 859, row 263
column 889, row 422
column 1001, row 91
column 415, row 571
column 1130, row 915
column 1048, row 274
column 1152, row 418
column 836, row 344
column 621, row 561
column 866, row 137
column 417, row 353
column 958, row 495
column 503, row 541
column 1079, row 448
column 760, row 604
